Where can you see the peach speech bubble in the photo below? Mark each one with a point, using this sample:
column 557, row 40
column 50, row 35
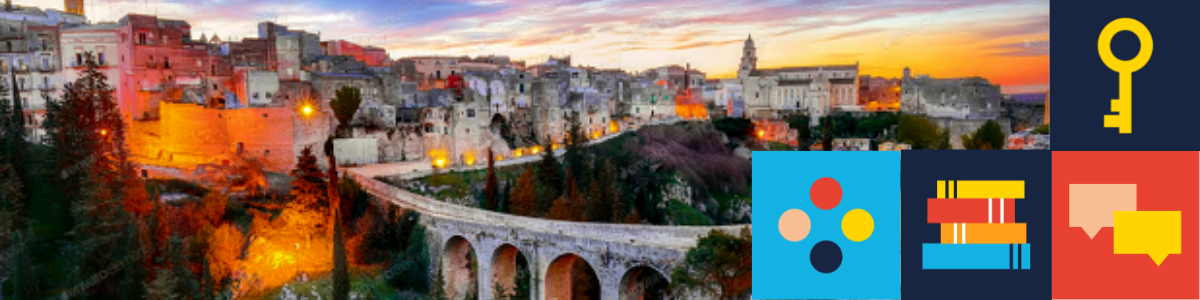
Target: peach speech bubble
column 1092, row 205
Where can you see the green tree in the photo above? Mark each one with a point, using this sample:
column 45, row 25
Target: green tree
column 491, row 189
column 804, row 133
column 566, row 207
column 1044, row 129
column 524, row 196
column 345, row 103
column 602, row 193
column 719, row 266
column 549, row 179
column 827, row 133
column 341, row 268
column 576, row 151
column 988, row 137
column 921, row 132
column 409, row 270
column 308, row 183
column 87, row 137
column 12, row 138
column 735, row 128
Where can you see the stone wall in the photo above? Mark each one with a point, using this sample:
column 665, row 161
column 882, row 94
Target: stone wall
column 356, row 152
column 190, row 134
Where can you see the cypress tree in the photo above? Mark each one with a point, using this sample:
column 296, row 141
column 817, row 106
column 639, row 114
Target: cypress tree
column 492, row 189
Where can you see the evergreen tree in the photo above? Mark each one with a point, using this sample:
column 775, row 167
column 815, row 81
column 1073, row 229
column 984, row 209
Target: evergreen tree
column 11, row 204
column 345, row 103
column 341, row 269
column 576, row 148
column 602, row 205
column 492, row 189
column 549, row 179
column 524, row 196
column 308, row 183
column 24, row 276
column 827, row 133
column 567, row 207
column 87, row 135
column 12, row 135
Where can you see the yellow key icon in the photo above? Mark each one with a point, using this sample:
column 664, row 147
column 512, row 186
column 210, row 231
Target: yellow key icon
column 1123, row 106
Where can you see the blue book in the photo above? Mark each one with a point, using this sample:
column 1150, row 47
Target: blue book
column 975, row 256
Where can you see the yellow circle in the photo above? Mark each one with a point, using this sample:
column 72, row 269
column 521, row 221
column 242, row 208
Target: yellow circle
column 1105, row 45
column 858, row 225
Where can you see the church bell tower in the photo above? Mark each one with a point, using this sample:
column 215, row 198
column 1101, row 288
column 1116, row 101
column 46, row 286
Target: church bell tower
column 749, row 58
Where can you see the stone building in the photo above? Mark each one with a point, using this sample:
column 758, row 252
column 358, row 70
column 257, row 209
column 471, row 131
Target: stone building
column 160, row 62
column 960, row 98
column 30, row 51
column 878, row 93
column 815, row 90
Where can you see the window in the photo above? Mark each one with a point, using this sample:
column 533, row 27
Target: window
column 254, row 96
column 269, row 95
column 45, row 64
column 471, row 113
column 166, row 62
column 214, row 86
column 141, row 38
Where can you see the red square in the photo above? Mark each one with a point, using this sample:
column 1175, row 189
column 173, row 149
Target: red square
column 1086, row 267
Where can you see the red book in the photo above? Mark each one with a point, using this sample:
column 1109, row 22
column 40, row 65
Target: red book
column 972, row 210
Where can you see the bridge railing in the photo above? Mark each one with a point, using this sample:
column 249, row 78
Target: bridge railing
column 666, row 236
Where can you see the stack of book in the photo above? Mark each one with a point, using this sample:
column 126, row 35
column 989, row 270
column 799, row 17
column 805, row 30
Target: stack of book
column 978, row 226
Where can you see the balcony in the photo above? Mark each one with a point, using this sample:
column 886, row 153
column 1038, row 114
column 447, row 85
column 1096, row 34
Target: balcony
column 46, row 69
column 46, row 87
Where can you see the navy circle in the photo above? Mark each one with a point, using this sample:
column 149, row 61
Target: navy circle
column 826, row 257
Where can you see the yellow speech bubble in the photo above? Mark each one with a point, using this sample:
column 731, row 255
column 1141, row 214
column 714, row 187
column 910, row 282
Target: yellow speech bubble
column 1157, row 233
column 1092, row 204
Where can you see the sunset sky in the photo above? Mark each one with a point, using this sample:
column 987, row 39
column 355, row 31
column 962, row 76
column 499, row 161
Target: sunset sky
column 1005, row 41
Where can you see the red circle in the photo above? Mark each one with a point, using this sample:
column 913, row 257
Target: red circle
column 826, row 193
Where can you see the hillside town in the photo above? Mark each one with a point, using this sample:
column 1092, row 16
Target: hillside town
column 192, row 100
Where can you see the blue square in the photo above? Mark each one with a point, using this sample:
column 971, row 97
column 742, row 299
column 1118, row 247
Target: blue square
column 870, row 268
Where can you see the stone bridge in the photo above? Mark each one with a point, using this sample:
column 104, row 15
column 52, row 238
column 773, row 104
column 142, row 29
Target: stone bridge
column 625, row 260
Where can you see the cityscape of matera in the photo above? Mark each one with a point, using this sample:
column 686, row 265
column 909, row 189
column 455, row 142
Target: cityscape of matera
column 555, row 151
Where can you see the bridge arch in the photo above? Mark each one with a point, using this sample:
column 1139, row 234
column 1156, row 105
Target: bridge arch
column 509, row 264
column 644, row 283
column 571, row 277
column 459, row 268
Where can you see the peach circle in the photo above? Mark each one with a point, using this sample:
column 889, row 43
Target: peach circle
column 794, row 225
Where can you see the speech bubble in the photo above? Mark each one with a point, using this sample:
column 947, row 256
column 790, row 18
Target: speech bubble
column 1157, row 233
column 1092, row 205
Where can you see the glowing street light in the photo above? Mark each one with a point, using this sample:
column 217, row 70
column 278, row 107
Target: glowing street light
column 439, row 163
column 761, row 133
column 307, row 110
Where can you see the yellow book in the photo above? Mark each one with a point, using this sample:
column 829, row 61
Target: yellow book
column 983, row 233
column 981, row 189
